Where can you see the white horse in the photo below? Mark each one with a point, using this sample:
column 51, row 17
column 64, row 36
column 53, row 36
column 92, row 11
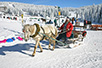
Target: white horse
column 35, row 31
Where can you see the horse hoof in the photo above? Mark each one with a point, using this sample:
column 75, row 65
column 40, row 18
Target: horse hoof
column 49, row 48
column 41, row 51
column 33, row 55
column 52, row 49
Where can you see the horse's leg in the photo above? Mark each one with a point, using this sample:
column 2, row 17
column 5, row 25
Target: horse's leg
column 53, row 44
column 40, row 47
column 49, row 43
column 35, row 48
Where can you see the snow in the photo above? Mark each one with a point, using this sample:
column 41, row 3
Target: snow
column 18, row 53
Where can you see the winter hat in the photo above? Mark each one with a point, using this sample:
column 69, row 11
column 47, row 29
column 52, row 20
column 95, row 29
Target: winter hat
column 68, row 19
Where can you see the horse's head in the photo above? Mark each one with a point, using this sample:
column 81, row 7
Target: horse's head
column 27, row 31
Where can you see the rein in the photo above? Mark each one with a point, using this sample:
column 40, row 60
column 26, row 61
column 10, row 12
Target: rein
column 53, row 39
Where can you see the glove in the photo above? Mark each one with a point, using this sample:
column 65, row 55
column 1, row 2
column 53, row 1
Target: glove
column 68, row 30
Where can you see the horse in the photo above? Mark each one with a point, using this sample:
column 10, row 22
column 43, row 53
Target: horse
column 36, row 32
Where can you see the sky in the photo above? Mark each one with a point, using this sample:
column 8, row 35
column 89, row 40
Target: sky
column 60, row 3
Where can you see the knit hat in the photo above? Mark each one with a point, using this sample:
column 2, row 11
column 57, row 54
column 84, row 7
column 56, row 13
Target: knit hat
column 68, row 19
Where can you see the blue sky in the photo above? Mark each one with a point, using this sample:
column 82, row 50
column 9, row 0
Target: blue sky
column 60, row 3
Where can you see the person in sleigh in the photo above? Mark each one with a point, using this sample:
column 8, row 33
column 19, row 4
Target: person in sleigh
column 66, row 30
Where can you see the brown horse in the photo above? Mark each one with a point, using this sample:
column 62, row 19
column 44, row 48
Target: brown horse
column 35, row 31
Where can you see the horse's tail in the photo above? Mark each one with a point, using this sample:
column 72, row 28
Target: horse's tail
column 56, row 32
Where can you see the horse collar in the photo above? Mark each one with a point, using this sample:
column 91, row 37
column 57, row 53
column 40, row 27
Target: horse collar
column 37, row 30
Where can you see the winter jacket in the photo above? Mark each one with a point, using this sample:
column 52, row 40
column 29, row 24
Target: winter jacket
column 69, row 28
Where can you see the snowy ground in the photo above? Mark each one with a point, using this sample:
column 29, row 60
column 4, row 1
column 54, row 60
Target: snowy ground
column 17, row 54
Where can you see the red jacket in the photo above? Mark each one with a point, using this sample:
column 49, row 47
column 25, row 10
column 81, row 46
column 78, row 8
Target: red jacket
column 70, row 27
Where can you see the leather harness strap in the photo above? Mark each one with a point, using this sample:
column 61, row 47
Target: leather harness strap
column 37, row 30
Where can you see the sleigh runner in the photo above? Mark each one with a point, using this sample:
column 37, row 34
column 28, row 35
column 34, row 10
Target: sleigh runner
column 75, row 39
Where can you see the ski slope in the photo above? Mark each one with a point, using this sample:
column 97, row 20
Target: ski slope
column 17, row 54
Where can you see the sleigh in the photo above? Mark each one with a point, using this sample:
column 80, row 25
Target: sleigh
column 74, row 40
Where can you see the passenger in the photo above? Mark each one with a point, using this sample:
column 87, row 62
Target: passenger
column 66, row 30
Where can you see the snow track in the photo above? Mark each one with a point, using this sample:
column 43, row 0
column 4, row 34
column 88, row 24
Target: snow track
column 18, row 53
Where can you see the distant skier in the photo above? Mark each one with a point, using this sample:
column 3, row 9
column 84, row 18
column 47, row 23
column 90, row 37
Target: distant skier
column 62, row 20
column 50, row 22
column 85, row 23
column 77, row 23
column 73, row 19
column 55, row 21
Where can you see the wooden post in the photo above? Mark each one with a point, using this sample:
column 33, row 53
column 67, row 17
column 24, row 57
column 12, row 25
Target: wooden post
column 59, row 13
column 22, row 19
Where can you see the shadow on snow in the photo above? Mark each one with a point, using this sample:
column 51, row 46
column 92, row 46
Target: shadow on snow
column 16, row 48
column 20, row 47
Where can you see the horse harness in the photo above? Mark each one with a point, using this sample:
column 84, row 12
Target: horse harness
column 37, row 31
